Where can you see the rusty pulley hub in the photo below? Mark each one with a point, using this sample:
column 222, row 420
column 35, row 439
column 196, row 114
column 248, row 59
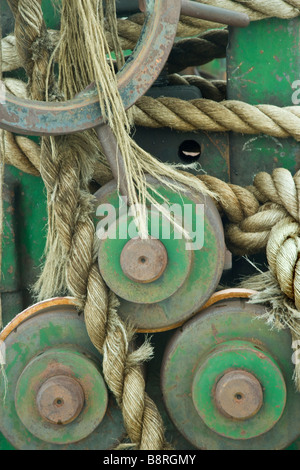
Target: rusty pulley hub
column 56, row 396
column 144, row 261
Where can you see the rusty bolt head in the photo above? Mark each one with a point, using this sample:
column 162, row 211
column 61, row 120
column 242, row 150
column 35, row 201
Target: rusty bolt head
column 60, row 400
column 239, row 395
column 144, row 261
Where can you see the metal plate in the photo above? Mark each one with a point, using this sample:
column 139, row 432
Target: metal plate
column 63, row 362
column 233, row 356
column 226, row 321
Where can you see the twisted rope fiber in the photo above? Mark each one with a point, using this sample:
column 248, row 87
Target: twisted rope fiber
column 187, row 52
column 260, row 9
column 24, row 153
column 198, row 51
column 210, row 89
column 29, row 161
column 250, row 200
column 177, row 114
column 252, row 215
column 32, row 44
column 211, row 116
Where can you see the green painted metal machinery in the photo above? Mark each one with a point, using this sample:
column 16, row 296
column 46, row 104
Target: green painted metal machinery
column 225, row 347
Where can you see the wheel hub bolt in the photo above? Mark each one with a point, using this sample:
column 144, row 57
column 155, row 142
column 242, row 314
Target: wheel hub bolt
column 60, row 400
column 239, row 395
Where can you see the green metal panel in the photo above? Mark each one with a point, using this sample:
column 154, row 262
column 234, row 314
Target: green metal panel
column 263, row 62
column 24, row 236
column 51, row 13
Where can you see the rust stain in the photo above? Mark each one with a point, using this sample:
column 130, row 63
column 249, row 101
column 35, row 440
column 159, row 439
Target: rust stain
column 215, row 333
column 10, row 270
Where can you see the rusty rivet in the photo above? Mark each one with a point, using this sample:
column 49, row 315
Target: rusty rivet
column 144, row 261
column 60, row 400
column 239, row 395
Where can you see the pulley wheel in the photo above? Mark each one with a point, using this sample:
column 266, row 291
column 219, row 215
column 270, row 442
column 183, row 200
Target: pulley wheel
column 160, row 282
column 56, row 397
column 134, row 79
column 227, row 380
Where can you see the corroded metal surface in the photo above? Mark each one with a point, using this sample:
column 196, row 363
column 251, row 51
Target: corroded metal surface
column 60, row 399
column 239, row 395
column 229, row 401
column 144, row 260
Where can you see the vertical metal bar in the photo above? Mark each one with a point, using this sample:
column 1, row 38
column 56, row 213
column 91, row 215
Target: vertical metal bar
column 114, row 157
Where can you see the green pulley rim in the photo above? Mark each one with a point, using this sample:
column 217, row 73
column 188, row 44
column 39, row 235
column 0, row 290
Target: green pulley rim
column 239, row 355
column 185, row 357
column 206, row 266
column 69, row 363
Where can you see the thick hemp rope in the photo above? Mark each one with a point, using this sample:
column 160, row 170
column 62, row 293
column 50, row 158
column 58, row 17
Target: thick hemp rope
column 244, row 239
column 186, row 52
column 207, row 114
column 130, row 29
column 198, row 51
column 211, row 116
